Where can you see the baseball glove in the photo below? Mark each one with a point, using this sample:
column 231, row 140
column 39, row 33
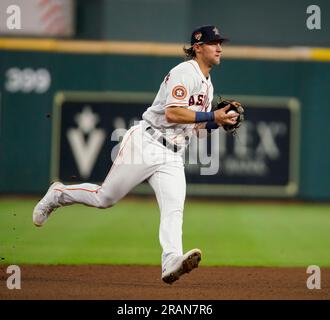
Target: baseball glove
column 235, row 106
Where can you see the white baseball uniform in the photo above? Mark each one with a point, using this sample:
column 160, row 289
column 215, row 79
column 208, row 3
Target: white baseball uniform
column 144, row 156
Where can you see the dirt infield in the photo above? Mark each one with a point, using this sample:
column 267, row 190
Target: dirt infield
column 143, row 282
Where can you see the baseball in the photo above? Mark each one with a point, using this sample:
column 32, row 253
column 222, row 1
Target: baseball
column 231, row 112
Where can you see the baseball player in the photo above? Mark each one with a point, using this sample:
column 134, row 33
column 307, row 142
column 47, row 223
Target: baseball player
column 153, row 150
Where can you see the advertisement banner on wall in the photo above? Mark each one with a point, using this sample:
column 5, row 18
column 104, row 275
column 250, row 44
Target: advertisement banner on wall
column 261, row 160
column 37, row 17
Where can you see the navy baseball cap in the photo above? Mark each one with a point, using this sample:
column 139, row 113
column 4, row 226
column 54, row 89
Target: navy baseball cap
column 206, row 34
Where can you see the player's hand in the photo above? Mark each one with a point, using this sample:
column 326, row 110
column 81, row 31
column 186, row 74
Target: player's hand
column 221, row 117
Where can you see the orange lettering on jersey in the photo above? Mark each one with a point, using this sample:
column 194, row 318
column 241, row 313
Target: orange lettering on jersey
column 179, row 92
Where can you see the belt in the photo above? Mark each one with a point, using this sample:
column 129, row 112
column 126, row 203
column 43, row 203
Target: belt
column 163, row 141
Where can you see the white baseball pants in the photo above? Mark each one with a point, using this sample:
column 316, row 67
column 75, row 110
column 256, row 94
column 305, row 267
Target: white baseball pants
column 140, row 158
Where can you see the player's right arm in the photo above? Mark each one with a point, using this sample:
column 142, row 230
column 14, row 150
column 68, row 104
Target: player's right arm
column 178, row 114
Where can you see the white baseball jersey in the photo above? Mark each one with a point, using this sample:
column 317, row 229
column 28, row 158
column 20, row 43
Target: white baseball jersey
column 184, row 86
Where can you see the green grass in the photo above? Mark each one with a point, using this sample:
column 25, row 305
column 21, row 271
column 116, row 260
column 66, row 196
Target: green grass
column 236, row 234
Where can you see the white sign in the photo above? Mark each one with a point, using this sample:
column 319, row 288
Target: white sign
column 37, row 17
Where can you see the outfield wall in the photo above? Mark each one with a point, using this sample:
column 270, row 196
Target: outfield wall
column 33, row 73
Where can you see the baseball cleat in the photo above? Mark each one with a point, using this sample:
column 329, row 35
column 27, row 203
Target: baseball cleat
column 181, row 265
column 45, row 206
